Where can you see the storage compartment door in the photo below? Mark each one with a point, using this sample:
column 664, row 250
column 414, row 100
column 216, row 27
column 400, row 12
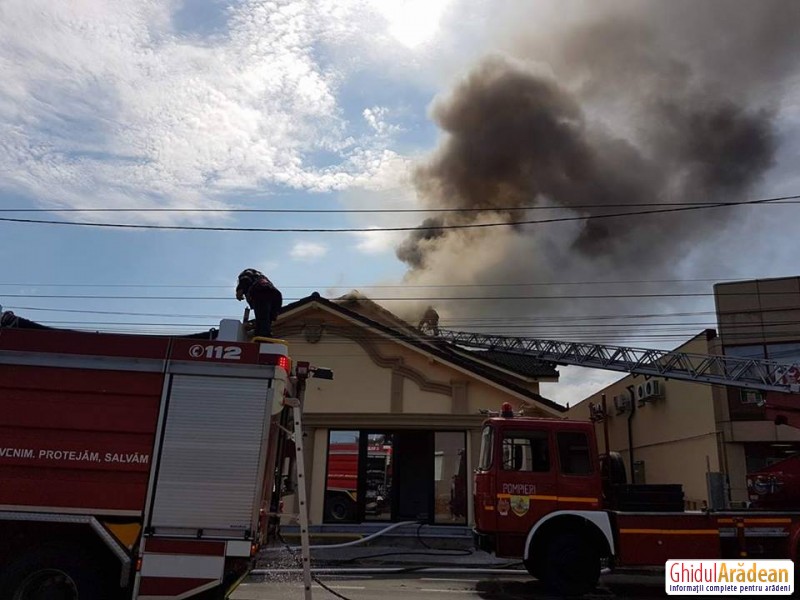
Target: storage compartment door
column 211, row 469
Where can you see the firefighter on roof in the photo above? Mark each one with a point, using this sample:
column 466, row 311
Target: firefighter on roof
column 262, row 296
column 430, row 321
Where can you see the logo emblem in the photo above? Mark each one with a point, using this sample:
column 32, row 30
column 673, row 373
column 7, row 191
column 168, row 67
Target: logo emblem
column 503, row 506
column 520, row 505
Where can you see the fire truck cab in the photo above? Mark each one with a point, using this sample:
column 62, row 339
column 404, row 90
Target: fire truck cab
column 544, row 495
column 136, row 467
column 538, row 487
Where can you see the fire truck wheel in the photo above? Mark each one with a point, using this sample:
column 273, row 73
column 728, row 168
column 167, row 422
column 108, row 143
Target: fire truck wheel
column 339, row 509
column 54, row 574
column 571, row 565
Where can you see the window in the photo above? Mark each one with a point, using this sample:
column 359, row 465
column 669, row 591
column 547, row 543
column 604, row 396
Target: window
column 753, row 351
column 378, row 481
column 342, row 478
column 486, row 449
column 754, row 397
column 786, row 353
column 450, row 477
column 573, row 453
column 526, row 451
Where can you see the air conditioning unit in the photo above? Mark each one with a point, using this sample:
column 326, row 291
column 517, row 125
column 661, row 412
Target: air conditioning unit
column 641, row 394
column 654, row 388
column 649, row 390
column 622, row 403
column 596, row 412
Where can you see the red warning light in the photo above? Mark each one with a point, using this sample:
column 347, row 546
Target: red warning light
column 506, row 410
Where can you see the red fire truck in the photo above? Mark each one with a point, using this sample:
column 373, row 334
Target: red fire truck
column 542, row 493
column 342, row 483
column 135, row 467
column 776, row 486
column 341, row 490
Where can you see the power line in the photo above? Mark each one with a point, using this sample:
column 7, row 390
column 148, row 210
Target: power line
column 487, row 208
column 416, row 298
column 581, row 337
column 467, row 320
column 388, row 229
column 676, row 328
column 113, row 312
column 367, row 286
column 510, row 323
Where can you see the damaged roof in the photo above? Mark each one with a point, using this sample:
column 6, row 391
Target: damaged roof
column 497, row 367
column 519, row 363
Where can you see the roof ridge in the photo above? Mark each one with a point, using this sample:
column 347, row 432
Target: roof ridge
column 442, row 348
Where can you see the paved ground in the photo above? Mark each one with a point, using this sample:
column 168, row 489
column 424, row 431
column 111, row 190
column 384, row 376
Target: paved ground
column 288, row 586
column 405, row 573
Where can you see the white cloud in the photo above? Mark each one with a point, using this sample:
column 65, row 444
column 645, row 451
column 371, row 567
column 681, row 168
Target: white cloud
column 308, row 251
column 107, row 104
column 377, row 242
column 376, row 118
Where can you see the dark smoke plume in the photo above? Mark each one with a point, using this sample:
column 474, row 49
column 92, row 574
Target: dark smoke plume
column 514, row 139
column 412, row 251
column 630, row 112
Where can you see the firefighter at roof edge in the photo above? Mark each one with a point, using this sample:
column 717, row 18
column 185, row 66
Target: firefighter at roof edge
column 429, row 322
column 262, row 296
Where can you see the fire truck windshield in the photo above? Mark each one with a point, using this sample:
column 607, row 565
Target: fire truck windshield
column 487, row 438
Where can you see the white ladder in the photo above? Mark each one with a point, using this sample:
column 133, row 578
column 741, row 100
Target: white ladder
column 302, row 513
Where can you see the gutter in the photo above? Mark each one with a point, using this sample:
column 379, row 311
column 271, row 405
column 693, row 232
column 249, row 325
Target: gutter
column 631, row 389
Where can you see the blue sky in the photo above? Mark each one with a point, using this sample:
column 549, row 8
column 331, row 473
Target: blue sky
column 204, row 104
column 303, row 104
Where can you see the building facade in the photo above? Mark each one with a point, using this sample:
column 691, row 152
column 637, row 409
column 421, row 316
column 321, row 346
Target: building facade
column 394, row 436
column 708, row 438
column 760, row 319
column 666, row 431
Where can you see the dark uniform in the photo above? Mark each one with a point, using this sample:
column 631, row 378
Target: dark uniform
column 262, row 296
column 429, row 321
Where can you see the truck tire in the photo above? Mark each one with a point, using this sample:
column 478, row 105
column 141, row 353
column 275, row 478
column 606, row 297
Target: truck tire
column 571, row 565
column 56, row 573
column 339, row 509
column 534, row 568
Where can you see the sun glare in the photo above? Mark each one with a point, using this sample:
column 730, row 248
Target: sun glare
column 412, row 22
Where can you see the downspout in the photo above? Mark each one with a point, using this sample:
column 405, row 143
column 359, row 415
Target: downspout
column 631, row 389
column 605, row 426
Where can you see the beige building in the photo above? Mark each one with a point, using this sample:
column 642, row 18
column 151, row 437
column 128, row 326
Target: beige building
column 668, row 436
column 760, row 319
column 705, row 437
column 394, row 436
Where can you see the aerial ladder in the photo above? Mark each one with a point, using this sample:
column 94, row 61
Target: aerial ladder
column 775, row 379
column 749, row 373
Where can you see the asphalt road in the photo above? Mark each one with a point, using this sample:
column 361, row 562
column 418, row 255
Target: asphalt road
column 289, row 586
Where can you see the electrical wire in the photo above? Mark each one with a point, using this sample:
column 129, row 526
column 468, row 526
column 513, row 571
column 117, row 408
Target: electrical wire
column 421, row 227
column 497, row 320
column 368, row 286
column 413, row 298
column 488, row 208
column 588, row 336
column 598, row 328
